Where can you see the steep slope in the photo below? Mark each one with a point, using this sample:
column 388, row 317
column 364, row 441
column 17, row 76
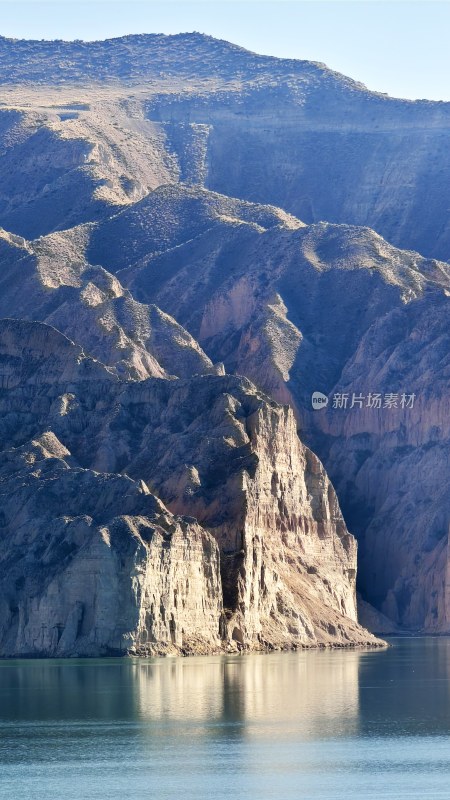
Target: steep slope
column 169, row 217
column 396, row 462
column 337, row 310
column 323, row 151
column 217, row 449
column 50, row 280
column 114, row 574
column 212, row 447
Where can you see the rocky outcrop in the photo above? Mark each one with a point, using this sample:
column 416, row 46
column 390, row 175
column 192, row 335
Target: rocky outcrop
column 94, row 564
column 338, row 310
column 233, row 460
column 211, row 447
column 51, row 281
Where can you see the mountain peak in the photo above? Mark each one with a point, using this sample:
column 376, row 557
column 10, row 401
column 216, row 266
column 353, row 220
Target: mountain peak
column 137, row 58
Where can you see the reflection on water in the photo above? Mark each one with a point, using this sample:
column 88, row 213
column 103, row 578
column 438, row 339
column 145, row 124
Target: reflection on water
column 310, row 692
column 314, row 691
column 291, row 725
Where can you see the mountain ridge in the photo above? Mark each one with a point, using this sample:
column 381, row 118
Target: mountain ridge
column 196, row 38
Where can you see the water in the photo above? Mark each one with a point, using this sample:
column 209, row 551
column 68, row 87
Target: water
column 316, row 725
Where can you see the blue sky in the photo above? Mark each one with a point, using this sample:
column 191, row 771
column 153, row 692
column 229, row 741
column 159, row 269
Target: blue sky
column 400, row 47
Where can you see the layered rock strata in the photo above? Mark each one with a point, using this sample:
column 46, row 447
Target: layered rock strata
column 88, row 452
column 93, row 564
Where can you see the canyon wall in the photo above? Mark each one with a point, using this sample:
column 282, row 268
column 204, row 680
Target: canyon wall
column 256, row 556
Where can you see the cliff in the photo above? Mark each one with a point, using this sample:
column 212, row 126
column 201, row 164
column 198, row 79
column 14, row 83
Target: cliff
column 338, row 310
column 94, row 563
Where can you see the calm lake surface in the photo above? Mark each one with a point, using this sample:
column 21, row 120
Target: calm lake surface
column 290, row 725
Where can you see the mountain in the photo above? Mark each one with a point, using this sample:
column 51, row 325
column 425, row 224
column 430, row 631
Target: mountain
column 93, row 563
column 49, row 280
column 194, row 239
column 130, row 59
column 93, row 581
column 109, row 121
column 337, row 309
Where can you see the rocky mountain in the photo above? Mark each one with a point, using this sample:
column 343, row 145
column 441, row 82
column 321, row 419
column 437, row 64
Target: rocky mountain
column 50, row 280
column 331, row 308
column 171, row 299
column 88, row 124
column 93, row 563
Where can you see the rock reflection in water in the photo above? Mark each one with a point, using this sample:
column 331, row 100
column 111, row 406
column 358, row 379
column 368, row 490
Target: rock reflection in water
column 311, row 693
column 297, row 726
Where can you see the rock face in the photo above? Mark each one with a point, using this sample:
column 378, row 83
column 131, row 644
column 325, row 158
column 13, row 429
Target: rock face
column 376, row 621
column 233, row 460
column 396, row 462
column 123, row 576
column 87, row 451
column 338, row 310
column 50, row 280
column 161, row 202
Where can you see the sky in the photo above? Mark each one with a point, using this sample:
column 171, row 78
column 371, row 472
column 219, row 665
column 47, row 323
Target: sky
column 401, row 47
